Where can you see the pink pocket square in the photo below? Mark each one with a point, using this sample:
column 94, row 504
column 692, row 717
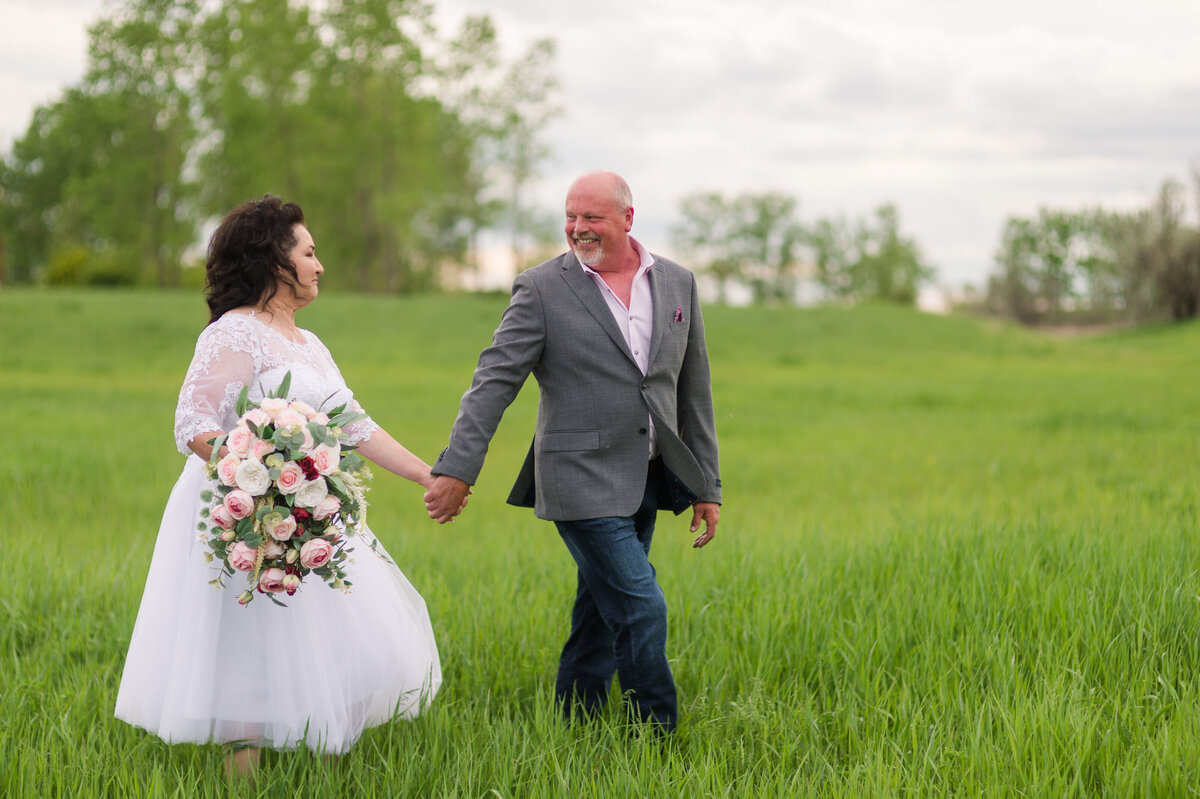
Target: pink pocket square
column 678, row 314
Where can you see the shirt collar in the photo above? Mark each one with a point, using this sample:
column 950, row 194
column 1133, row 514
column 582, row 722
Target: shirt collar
column 646, row 260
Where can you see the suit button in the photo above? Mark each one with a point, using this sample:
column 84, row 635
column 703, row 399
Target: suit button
column 643, row 386
column 642, row 431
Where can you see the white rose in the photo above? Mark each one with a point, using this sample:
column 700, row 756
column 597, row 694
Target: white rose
column 311, row 493
column 253, row 478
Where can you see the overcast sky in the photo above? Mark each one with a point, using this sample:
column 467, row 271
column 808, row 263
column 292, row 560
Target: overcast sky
column 959, row 112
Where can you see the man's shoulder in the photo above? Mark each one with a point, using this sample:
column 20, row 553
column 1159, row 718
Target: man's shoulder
column 548, row 268
column 671, row 268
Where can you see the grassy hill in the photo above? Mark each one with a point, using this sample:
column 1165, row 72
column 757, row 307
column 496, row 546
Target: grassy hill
column 955, row 557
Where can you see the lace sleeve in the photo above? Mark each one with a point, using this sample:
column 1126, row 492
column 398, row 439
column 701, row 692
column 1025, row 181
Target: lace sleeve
column 356, row 432
column 225, row 361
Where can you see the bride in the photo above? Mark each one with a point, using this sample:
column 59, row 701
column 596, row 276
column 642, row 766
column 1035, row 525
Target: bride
column 202, row 668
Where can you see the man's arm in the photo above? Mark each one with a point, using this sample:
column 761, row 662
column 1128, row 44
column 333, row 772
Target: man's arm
column 697, row 425
column 502, row 369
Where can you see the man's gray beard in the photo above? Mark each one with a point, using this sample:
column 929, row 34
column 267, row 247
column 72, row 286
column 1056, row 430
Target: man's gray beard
column 592, row 260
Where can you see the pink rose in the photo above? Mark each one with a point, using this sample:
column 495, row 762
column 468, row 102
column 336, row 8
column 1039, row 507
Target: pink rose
column 227, row 469
column 280, row 529
column 299, row 406
column 271, row 549
column 239, row 503
column 327, row 507
column 242, row 557
column 245, row 597
column 291, row 583
column 223, row 518
column 271, row 581
column 289, row 417
column 257, row 417
column 326, row 458
column 239, row 441
column 315, row 553
column 320, row 417
column 228, row 535
column 291, row 477
column 272, row 406
column 259, row 449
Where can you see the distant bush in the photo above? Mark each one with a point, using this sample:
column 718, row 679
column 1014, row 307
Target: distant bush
column 67, row 267
column 79, row 266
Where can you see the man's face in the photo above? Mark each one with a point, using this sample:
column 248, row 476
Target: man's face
column 596, row 226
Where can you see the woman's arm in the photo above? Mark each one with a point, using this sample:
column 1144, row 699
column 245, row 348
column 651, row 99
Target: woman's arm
column 202, row 445
column 389, row 453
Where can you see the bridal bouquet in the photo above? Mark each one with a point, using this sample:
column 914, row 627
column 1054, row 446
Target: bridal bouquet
column 289, row 492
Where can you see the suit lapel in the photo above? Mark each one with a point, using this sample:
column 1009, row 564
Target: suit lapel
column 589, row 295
column 660, row 303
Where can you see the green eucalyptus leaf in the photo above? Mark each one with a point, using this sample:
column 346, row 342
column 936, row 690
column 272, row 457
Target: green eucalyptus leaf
column 351, row 462
column 243, row 401
column 345, row 418
column 284, row 386
column 217, row 443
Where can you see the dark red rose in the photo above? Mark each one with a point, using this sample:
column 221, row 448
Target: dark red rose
column 309, row 468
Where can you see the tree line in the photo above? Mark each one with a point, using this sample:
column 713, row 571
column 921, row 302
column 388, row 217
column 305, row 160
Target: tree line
column 405, row 140
column 757, row 241
column 1098, row 265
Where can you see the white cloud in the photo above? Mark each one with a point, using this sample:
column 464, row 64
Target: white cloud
column 43, row 49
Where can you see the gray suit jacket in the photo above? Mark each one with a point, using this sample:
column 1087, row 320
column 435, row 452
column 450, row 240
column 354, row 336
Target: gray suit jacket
column 589, row 452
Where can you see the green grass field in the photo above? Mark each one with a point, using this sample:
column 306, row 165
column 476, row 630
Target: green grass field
column 956, row 558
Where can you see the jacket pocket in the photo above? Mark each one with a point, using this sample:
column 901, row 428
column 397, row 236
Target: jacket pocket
column 567, row 440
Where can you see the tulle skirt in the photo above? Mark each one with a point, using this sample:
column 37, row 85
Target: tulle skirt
column 202, row 668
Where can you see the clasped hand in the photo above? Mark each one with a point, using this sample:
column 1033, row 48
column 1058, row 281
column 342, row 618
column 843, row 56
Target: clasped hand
column 446, row 498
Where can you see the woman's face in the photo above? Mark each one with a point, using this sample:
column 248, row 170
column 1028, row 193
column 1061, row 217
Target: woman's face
column 308, row 268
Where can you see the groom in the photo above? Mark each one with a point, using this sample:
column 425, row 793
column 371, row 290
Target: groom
column 615, row 339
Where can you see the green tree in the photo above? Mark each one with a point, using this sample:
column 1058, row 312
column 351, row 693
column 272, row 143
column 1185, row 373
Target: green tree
column 406, row 159
column 190, row 106
column 1098, row 264
column 752, row 239
column 259, row 58
column 869, row 259
column 103, row 168
column 1159, row 255
column 35, row 176
column 507, row 108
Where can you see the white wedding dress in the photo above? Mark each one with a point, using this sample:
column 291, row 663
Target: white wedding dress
column 202, row 668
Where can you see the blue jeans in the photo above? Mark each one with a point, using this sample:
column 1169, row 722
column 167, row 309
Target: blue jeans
column 619, row 622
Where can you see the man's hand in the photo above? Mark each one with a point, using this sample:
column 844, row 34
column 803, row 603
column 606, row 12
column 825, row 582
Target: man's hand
column 710, row 514
column 446, row 498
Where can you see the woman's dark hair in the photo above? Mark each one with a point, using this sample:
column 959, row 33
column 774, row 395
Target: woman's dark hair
column 248, row 254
